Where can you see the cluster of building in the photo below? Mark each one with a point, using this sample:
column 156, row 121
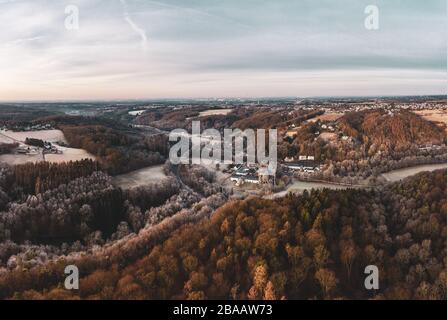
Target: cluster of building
column 264, row 175
column 253, row 174
column 431, row 147
column 344, row 107
column 304, row 164
column 49, row 148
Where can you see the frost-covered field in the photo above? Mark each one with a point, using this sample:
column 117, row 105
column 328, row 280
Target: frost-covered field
column 53, row 136
column 437, row 116
column 69, row 154
column 45, row 135
column 329, row 116
column 140, row 177
column 136, row 112
column 13, row 159
column 215, row 112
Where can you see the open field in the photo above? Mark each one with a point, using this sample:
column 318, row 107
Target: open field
column 437, row 116
column 69, row 154
column 6, row 139
column 136, row 112
column 54, row 136
column 215, row 112
column 14, row 159
column 329, row 136
column 140, row 177
column 330, row 116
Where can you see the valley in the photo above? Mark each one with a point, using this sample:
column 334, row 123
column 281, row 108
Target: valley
column 92, row 190
column 210, row 152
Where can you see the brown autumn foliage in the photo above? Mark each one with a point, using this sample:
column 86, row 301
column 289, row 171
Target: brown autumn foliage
column 394, row 130
column 243, row 117
column 299, row 247
column 117, row 151
column 267, row 119
column 367, row 143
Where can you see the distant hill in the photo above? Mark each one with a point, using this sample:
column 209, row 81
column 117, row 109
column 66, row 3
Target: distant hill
column 11, row 115
column 397, row 129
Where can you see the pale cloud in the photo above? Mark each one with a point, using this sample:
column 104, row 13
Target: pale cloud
column 220, row 48
column 21, row 41
column 134, row 26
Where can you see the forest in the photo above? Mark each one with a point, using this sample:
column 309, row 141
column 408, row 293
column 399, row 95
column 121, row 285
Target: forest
column 239, row 118
column 17, row 116
column 267, row 119
column 184, row 238
column 395, row 130
column 118, row 148
column 35, row 178
column 313, row 246
column 50, row 211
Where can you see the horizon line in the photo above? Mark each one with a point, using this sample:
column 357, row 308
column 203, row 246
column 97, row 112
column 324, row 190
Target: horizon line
column 127, row 100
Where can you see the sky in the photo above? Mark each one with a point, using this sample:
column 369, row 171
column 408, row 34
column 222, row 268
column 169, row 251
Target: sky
column 144, row 49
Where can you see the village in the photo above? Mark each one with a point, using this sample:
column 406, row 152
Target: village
column 256, row 174
column 306, row 167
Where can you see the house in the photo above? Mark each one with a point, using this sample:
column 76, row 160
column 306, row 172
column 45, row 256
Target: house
column 308, row 165
column 252, row 179
column 239, row 180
